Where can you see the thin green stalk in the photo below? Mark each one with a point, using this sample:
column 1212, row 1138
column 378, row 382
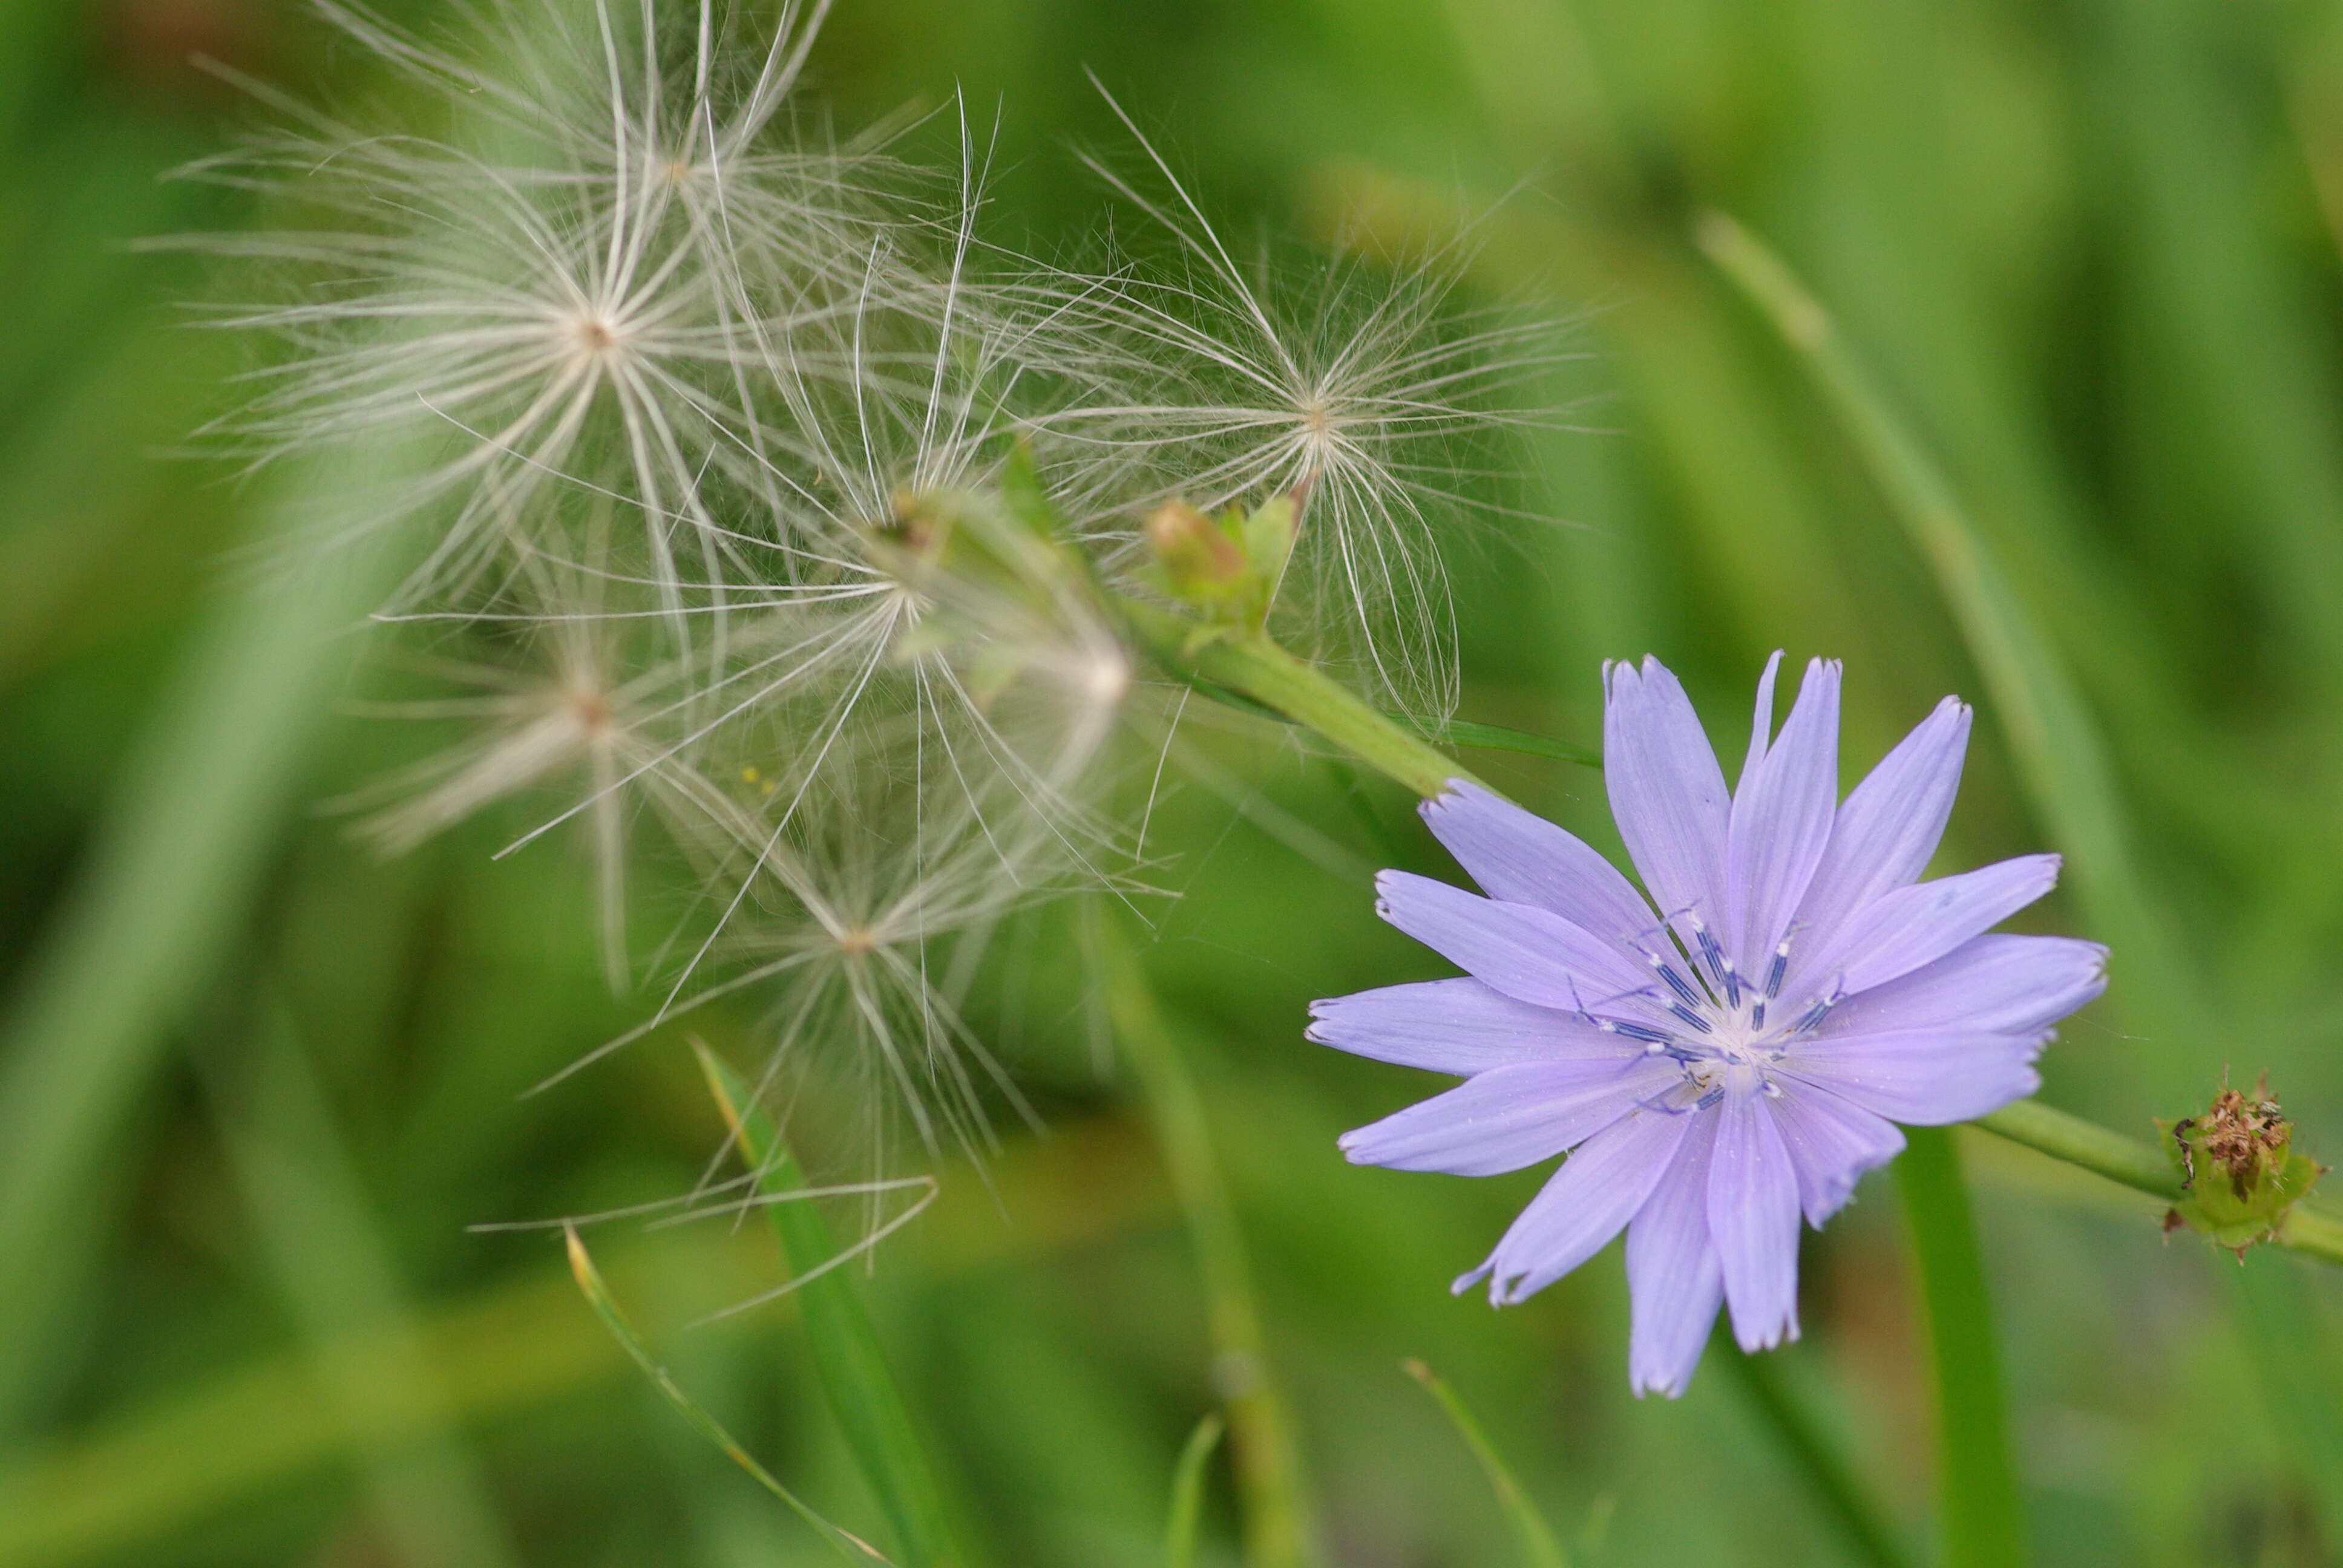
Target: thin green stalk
column 1276, row 1516
column 1540, row 1547
column 1251, row 664
column 1982, row 1524
column 868, row 1403
column 2309, row 1227
column 605, row 1307
column 334, row 1271
column 2054, row 1132
column 1188, row 1493
column 1828, row 1477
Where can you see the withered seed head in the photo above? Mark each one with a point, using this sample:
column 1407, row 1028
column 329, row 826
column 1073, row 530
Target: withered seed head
column 2240, row 1134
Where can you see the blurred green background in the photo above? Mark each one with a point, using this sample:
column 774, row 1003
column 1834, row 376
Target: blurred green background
column 255, row 1084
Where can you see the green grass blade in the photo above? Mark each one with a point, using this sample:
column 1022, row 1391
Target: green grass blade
column 1540, row 1548
column 597, row 1296
column 1983, row 1524
column 2051, row 732
column 1846, row 1502
column 1277, row 1527
column 1188, row 1493
column 318, row 1237
column 173, row 1457
column 862, row 1389
column 1502, row 738
column 175, row 859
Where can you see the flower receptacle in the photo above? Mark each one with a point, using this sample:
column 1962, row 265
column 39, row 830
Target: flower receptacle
column 2239, row 1172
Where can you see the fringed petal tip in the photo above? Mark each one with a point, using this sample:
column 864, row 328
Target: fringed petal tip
column 1465, row 1282
column 1768, row 1337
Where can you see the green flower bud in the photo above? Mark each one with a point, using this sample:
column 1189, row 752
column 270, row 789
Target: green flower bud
column 1200, row 557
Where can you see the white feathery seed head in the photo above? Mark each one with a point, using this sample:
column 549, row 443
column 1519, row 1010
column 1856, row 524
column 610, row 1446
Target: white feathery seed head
column 765, row 503
column 1358, row 389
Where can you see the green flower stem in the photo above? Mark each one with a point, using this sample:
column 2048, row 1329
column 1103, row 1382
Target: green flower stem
column 1276, row 1514
column 2310, row 1228
column 1983, row 1525
column 2314, row 1230
column 2096, row 1149
column 1251, row 664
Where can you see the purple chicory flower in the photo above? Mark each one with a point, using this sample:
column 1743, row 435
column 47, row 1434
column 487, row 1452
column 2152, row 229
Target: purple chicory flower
column 1735, row 1058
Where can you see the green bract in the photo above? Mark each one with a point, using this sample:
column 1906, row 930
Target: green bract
column 2239, row 1173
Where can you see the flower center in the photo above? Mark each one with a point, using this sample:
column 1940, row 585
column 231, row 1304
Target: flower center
column 1725, row 1032
column 595, row 334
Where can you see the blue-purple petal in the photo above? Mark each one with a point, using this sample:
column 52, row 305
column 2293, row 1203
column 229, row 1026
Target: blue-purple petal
column 2002, row 983
column 1509, row 1117
column 1831, row 1143
column 1760, row 722
column 1528, row 953
column 1522, row 858
column 1926, row 1078
column 1673, row 1281
column 1903, row 931
column 1753, row 1219
column 1585, row 1203
column 1458, row 1026
column 1886, row 829
column 1667, row 793
column 1781, row 821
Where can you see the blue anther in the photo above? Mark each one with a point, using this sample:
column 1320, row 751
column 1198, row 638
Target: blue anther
column 1708, row 948
column 1690, row 1016
column 1676, row 982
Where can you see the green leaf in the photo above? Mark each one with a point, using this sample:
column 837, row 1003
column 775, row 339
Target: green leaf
column 599, row 1297
column 1539, row 1549
column 1499, row 737
column 1188, row 1493
column 862, row 1387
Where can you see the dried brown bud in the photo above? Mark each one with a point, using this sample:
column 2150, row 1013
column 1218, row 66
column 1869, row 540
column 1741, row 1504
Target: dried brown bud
column 2238, row 1174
